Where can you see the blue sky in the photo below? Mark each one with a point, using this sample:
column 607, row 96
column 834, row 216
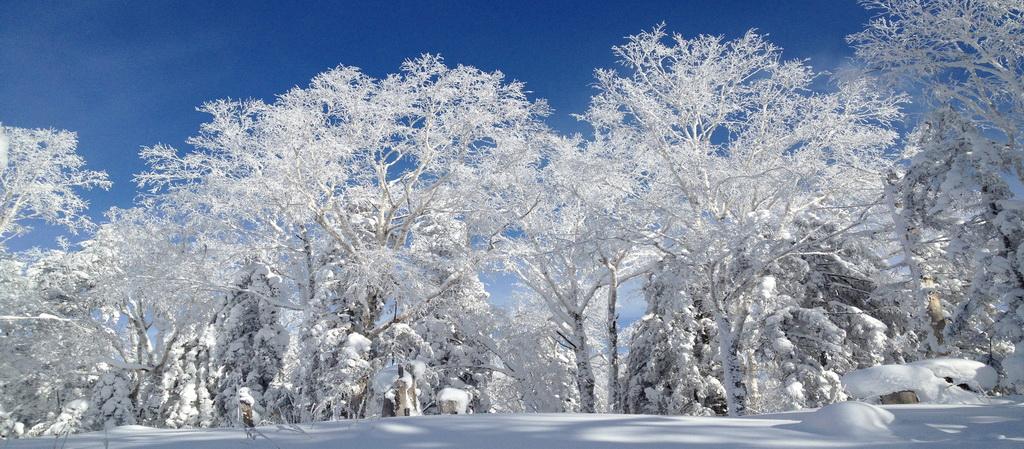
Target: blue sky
column 127, row 74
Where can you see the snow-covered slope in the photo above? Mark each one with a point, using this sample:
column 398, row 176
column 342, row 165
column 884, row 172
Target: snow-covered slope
column 999, row 425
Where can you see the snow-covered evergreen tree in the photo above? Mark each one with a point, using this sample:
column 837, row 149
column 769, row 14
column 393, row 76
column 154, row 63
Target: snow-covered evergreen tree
column 250, row 341
column 815, row 322
column 459, row 324
column 189, row 383
column 112, row 403
column 672, row 367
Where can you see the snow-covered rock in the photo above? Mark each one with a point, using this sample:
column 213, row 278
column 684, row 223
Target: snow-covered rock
column 977, row 375
column 870, row 383
column 850, row 418
column 884, row 379
column 453, row 400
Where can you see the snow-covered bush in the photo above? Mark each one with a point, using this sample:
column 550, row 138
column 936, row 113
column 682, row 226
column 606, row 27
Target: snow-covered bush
column 68, row 421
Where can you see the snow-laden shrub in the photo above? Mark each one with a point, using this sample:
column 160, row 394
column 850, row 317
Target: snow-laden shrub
column 68, row 421
column 111, row 397
column 10, row 427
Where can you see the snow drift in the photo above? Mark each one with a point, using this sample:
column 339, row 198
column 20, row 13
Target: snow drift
column 851, row 419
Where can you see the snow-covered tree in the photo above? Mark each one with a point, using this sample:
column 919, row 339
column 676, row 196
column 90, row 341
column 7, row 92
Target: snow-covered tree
column 111, row 400
column 190, row 380
column 672, row 368
column 250, row 341
column 966, row 58
column 731, row 147
column 572, row 255
column 48, row 354
column 340, row 174
column 459, row 326
column 815, row 313
column 542, row 368
column 149, row 295
column 40, row 173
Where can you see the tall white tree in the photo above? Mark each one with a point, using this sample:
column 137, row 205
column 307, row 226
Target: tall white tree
column 333, row 180
column 152, row 291
column 573, row 255
column 731, row 149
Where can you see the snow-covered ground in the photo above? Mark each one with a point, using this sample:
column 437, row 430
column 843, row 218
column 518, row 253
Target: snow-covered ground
column 996, row 425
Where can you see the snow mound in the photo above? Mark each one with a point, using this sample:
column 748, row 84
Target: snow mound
column 454, row 400
column 870, row 383
column 850, row 419
column 977, row 375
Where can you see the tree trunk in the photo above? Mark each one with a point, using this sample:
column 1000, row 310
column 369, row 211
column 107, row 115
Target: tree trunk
column 614, row 388
column 732, row 373
column 936, row 316
column 584, row 370
column 907, row 234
